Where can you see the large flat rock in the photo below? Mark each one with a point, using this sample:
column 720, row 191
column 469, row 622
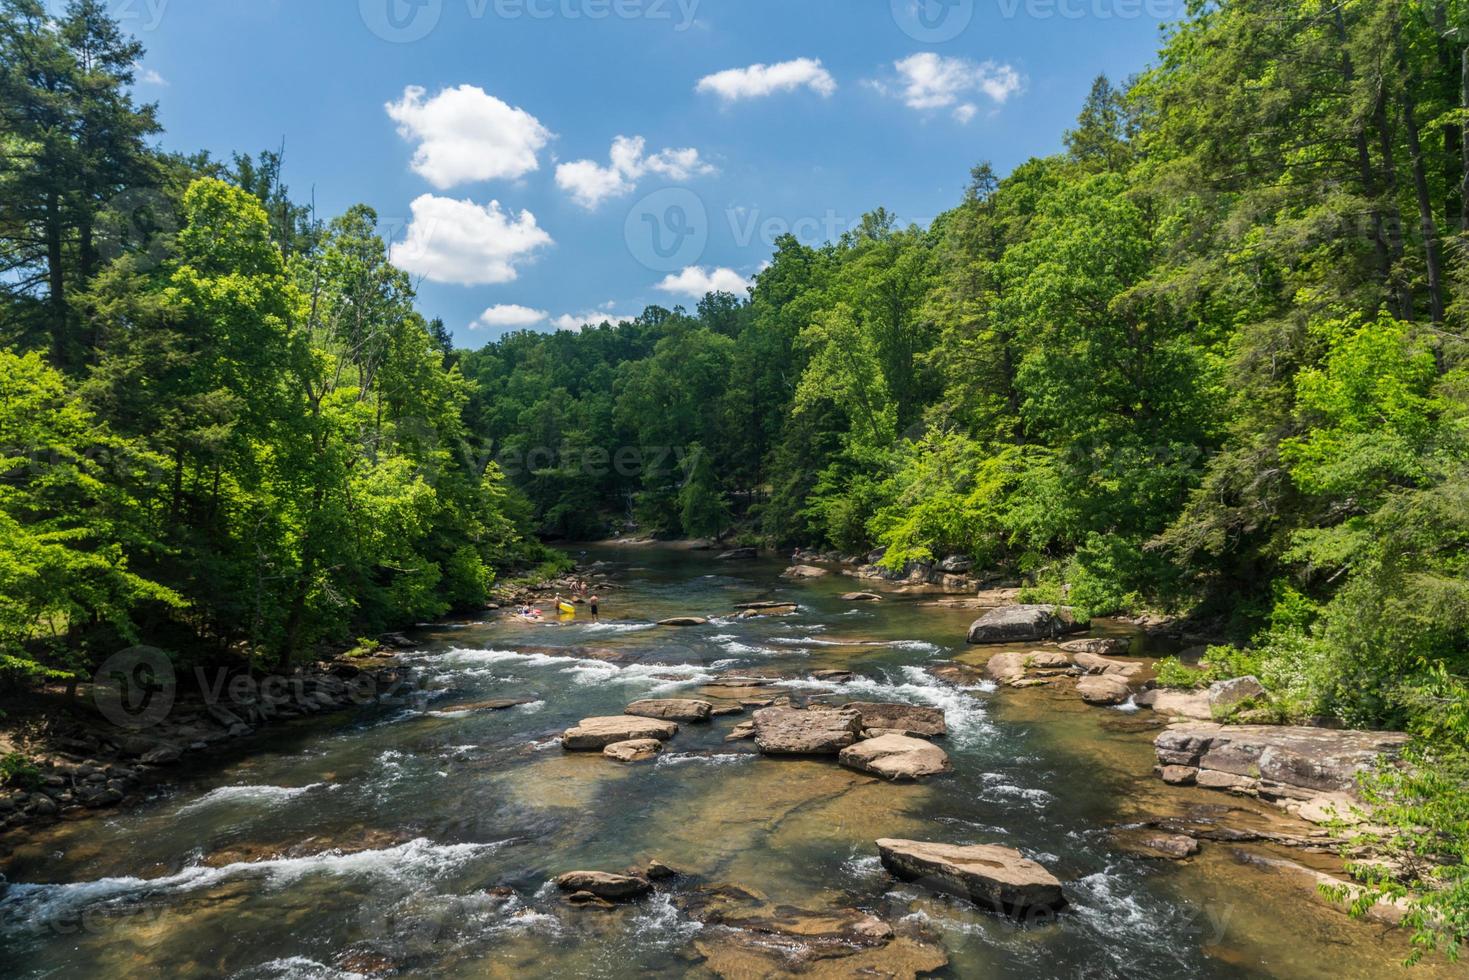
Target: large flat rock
column 1274, row 761
column 595, row 734
column 1025, row 624
column 928, row 722
column 997, row 878
column 671, row 709
column 791, row 731
column 896, row 757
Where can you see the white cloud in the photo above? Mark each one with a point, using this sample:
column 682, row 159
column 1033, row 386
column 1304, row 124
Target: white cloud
column 758, row 81
column 152, row 77
column 509, row 315
column 467, row 135
column 576, row 321
column 589, row 183
column 461, row 242
column 928, row 81
column 696, row 282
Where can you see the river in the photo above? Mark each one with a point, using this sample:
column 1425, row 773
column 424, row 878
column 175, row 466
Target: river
column 419, row 840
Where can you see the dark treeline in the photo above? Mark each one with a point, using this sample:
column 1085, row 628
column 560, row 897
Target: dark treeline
column 1209, row 359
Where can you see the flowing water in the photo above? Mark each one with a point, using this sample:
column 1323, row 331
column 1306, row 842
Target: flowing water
column 421, row 839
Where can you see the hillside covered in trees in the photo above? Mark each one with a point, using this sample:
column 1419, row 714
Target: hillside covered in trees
column 1209, row 360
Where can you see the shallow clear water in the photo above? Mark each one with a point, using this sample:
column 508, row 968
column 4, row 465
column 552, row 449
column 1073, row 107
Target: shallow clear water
column 421, row 839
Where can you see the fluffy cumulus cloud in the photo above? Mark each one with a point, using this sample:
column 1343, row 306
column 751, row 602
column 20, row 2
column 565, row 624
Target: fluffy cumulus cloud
column 758, row 81
column 696, row 282
column 590, row 183
column 465, row 135
column 509, row 315
column 929, row 82
column 466, row 244
column 591, row 318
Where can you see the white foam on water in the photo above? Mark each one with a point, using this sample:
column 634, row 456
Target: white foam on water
column 590, row 673
column 267, row 795
column 744, row 649
column 919, row 646
column 617, row 628
column 530, row 708
column 662, row 925
column 998, row 787
column 1130, row 706
column 965, row 716
column 415, row 861
column 864, row 867
column 296, row 968
column 717, row 759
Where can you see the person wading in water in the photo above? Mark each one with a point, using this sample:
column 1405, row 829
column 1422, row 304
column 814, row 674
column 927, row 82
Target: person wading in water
column 593, row 602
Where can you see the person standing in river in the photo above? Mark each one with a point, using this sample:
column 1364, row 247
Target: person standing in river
column 593, row 603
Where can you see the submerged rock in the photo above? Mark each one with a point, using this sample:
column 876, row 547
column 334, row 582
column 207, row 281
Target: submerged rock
column 612, row 887
column 1023, row 624
column 861, row 597
column 804, row 571
column 635, row 750
column 923, row 721
column 685, row 621
column 896, row 757
column 991, row 876
column 671, row 709
column 791, row 731
column 595, row 734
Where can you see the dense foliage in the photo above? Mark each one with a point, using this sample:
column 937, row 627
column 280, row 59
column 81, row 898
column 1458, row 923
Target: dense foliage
column 223, row 426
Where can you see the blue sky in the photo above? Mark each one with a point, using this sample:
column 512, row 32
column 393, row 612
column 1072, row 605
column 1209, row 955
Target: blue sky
column 525, row 153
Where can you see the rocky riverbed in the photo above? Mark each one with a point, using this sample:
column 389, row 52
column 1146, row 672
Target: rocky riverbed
column 802, row 782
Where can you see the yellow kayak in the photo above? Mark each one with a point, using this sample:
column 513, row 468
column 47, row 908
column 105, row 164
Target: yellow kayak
column 567, row 608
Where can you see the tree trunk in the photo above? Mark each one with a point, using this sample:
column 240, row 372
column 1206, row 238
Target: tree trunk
column 60, row 343
column 1427, row 224
column 1368, row 178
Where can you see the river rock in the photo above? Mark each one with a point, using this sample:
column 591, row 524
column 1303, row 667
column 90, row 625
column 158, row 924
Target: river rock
column 861, row 597
column 635, row 750
column 684, row 621
column 833, row 676
column 1177, row 704
column 1279, row 763
column 1106, row 646
column 616, row 888
column 671, row 709
column 1014, row 668
column 994, row 877
column 1103, row 689
column 595, row 734
column 927, row 722
column 1153, row 844
column 804, row 571
column 739, row 733
column 791, row 731
column 1095, row 664
column 1225, row 696
column 956, row 565
column 896, row 757
column 1023, row 624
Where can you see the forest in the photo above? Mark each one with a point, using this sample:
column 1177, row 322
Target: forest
column 1207, row 361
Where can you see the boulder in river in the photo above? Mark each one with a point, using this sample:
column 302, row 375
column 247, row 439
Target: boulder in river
column 991, row 876
column 1096, row 664
column 634, row 750
column 1276, row 762
column 1105, row 646
column 685, row 621
column 595, row 734
column 1103, row 689
column 1193, row 705
column 921, row 720
column 671, row 709
column 791, row 731
column 1024, row 624
column 833, row 676
column 804, row 571
column 861, row 597
column 1015, row 668
column 896, row 757
column 1225, row 696
column 612, row 887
